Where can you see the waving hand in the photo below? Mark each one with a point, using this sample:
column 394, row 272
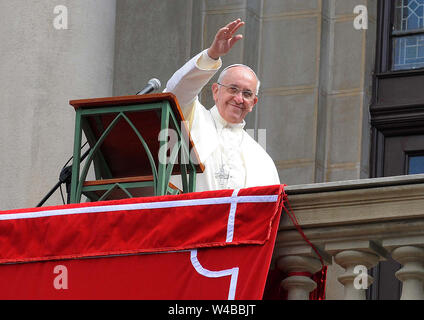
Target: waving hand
column 225, row 39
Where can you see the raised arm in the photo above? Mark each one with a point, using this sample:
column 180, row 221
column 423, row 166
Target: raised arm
column 187, row 82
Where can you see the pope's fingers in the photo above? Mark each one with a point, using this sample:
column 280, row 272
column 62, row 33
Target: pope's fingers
column 233, row 23
column 235, row 39
column 226, row 34
column 229, row 29
column 237, row 26
column 223, row 32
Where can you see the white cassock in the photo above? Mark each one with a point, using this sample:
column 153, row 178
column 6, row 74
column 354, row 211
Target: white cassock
column 231, row 157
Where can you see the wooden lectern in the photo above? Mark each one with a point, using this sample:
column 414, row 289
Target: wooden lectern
column 136, row 144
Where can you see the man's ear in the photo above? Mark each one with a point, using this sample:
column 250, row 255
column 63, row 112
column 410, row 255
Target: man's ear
column 215, row 91
column 255, row 101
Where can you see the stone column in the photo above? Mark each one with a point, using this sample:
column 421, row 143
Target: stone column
column 355, row 279
column 300, row 269
column 347, row 59
column 412, row 272
column 44, row 67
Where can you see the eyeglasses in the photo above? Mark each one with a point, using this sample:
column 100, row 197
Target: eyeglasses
column 247, row 94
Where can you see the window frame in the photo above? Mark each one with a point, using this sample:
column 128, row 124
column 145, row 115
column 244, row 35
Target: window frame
column 385, row 36
column 408, row 155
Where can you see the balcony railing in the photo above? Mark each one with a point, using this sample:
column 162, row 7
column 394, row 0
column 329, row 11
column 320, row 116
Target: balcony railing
column 355, row 224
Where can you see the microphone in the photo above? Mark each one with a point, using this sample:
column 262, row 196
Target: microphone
column 153, row 84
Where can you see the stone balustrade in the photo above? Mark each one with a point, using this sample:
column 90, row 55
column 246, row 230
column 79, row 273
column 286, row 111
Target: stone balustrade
column 353, row 224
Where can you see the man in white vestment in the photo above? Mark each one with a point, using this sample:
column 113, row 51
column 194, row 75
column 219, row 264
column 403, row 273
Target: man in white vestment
column 232, row 159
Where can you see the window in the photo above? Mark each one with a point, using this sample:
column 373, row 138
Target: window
column 415, row 164
column 408, row 35
column 397, row 109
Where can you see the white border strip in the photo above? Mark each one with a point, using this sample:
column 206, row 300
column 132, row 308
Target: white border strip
column 139, row 206
column 231, row 217
column 216, row 274
column 230, row 234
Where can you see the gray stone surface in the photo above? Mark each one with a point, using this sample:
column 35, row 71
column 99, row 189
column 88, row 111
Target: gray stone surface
column 43, row 68
column 151, row 41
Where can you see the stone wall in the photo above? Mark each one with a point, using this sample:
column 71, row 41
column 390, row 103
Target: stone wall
column 42, row 69
column 315, row 69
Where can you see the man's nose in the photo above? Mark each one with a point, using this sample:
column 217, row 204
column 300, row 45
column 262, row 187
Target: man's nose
column 239, row 97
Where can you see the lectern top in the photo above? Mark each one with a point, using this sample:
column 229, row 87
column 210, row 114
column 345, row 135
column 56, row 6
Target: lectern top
column 127, row 100
column 132, row 160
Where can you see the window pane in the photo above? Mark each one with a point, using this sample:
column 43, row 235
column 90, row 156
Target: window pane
column 409, row 15
column 416, row 165
column 408, row 52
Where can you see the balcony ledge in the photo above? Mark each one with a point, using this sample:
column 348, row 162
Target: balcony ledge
column 356, row 223
column 373, row 215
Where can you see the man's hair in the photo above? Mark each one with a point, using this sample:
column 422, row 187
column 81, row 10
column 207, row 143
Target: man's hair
column 222, row 74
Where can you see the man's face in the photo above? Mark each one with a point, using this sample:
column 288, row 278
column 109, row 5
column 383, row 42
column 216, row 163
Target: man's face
column 234, row 107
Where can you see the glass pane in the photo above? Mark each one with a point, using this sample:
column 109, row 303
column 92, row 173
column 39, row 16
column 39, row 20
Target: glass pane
column 408, row 52
column 409, row 15
column 416, row 165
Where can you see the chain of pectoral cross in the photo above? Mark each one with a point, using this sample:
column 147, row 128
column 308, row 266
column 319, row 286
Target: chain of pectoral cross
column 222, row 177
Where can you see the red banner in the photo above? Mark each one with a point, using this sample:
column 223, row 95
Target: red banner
column 205, row 245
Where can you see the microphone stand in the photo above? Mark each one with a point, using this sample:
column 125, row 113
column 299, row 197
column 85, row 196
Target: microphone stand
column 64, row 177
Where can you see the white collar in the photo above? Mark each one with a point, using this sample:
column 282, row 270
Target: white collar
column 221, row 123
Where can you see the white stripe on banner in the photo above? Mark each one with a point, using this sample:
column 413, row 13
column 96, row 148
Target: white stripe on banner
column 231, row 217
column 233, row 272
column 230, row 234
column 139, row 206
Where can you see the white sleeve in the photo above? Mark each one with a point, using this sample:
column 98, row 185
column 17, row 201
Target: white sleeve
column 187, row 82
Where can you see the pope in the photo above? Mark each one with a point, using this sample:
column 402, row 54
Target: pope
column 231, row 157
